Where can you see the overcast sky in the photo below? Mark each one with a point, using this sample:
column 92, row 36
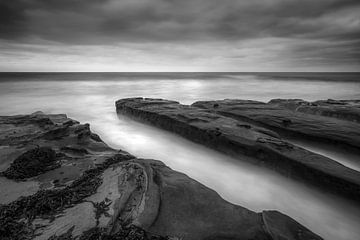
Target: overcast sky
column 179, row 35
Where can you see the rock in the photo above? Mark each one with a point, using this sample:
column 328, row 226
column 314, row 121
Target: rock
column 234, row 136
column 114, row 195
column 282, row 227
column 331, row 122
column 348, row 110
column 184, row 208
column 45, row 150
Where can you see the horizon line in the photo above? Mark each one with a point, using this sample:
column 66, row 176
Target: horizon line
column 180, row 72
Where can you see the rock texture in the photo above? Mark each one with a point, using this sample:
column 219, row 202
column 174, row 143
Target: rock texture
column 330, row 120
column 235, row 136
column 86, row 190
column 342, row 109
column 48, row 149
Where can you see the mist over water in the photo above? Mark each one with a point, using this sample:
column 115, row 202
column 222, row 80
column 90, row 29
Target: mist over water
column 90, row 98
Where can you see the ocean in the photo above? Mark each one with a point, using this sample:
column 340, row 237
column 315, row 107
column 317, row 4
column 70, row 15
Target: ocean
column 90, row 97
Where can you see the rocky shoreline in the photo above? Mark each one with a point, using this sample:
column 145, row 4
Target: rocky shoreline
column 242, row 127
column 61, row 181
column 326, row 120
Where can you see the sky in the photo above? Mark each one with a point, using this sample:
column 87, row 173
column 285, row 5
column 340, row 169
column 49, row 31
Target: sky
column 180, row 35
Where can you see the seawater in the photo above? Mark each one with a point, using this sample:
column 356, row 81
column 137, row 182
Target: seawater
column 90, row 97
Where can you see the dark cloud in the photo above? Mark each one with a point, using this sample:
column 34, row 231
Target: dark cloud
column 12, row 19
column 72, row 20
column 109, row 22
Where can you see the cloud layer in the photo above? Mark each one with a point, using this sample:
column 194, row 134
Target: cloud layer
column 189, row 35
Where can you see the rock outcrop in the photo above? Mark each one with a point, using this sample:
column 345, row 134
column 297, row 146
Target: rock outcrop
column 235, row 136
column 342, row 109
column 82, row 189
column 330, row 121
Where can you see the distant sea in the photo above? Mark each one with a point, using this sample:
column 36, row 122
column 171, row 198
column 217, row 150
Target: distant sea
column 90, row 97
column 184, row 87
column 322, row 76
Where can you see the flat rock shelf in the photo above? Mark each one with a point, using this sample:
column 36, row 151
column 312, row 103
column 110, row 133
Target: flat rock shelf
column 329, row 121
column 61, row 181
column 251, row 128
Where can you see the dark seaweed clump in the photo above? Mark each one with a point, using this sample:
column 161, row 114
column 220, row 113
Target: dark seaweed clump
column 48, row 203
column 32, row 163
column 16, row 230
column 126, row 233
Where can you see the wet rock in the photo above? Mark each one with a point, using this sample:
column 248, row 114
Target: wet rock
column 70, row 122
column 95, row 137
column 197, row 123
column 348, row 110
column 56, row 133
column 75, row 150
column 335, row 122
column 126, row 233
column 113, row 195
column 49, row 203
column 280, row 226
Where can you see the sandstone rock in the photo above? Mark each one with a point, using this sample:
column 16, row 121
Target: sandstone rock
column 342, row 109
column 331, row 122
column 113, row 195
column 234, row 137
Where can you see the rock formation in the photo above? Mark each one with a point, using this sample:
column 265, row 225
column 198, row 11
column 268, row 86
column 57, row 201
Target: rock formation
column 209, row 123
column 331, row 121
column 342, row 109
column 82, row 189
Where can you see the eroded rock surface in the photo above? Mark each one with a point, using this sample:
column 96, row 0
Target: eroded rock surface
column 330, row 120
column 343, row 109
column 110, row 194
column 235, row 136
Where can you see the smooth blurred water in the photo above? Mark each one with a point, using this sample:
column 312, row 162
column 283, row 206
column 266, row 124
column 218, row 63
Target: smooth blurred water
column 90, row 98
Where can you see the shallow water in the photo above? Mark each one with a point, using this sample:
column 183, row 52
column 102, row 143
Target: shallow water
column 90, row 98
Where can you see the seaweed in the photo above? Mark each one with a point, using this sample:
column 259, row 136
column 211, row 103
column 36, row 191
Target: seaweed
column 32, row 163
column 101, row 208
column 45, row 203
column 16, row 217
column 16, row 230
column 126, row 233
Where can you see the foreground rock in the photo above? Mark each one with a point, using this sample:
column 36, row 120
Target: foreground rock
column 234, row 137
column 47, row 149
column 86, row 190
column 331, row 121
